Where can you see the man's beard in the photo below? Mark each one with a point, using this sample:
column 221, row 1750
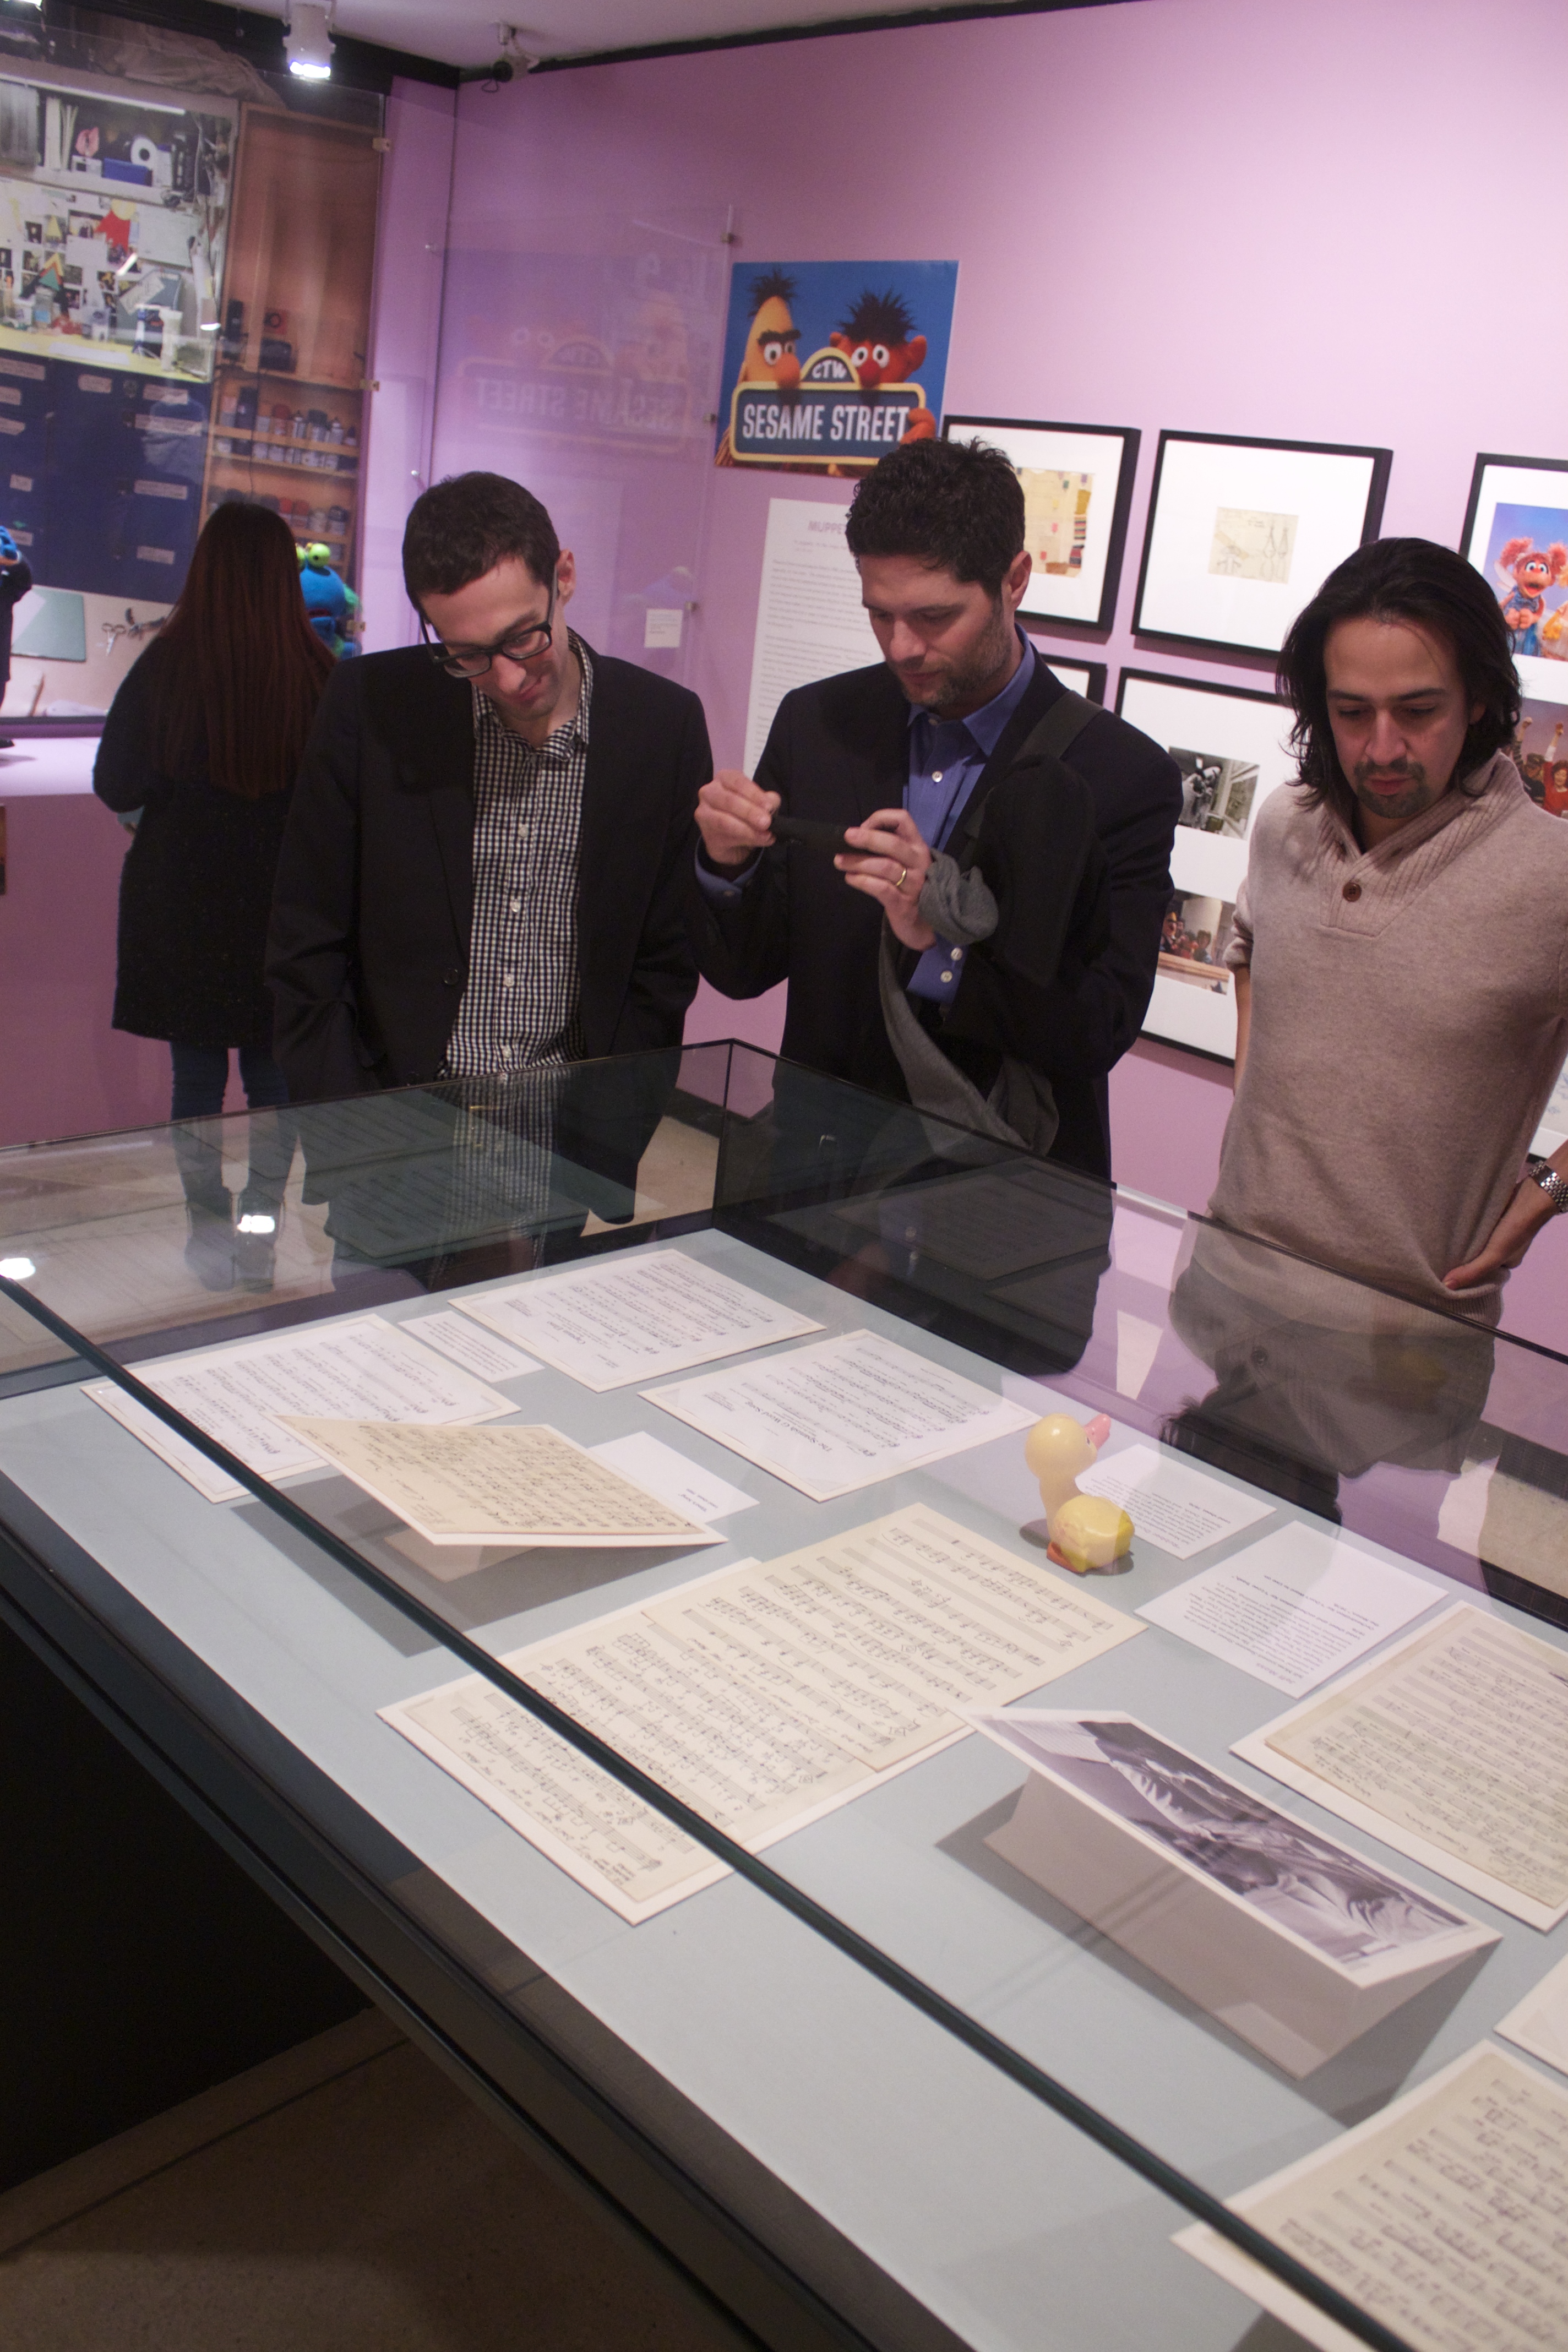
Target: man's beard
column 959, row 686
column 1417, row 795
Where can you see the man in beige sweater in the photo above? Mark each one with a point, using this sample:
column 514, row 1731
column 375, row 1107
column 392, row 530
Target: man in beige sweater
column 1400, row 949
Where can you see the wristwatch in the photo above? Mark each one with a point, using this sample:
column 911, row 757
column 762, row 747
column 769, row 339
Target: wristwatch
column 1542, row 1173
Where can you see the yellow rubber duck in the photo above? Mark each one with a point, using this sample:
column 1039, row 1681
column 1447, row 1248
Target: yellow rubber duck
column 1086, row 1530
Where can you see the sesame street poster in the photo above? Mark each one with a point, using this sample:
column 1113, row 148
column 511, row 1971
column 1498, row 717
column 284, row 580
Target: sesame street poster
column 829, row 364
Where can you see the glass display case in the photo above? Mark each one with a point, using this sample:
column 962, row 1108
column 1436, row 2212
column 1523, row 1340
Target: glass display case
column 602, row 1551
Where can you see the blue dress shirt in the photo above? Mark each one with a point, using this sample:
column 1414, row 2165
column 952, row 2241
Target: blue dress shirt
column 946, row 761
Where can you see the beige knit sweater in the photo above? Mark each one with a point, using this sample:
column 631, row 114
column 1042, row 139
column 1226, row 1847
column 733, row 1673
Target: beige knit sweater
column 1409, row 1018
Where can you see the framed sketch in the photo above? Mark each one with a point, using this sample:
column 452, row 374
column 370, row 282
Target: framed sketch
column 1087, row 678
column 1078, row 488
column 1516, row 535
column 1232, row 747
column 1243, row 533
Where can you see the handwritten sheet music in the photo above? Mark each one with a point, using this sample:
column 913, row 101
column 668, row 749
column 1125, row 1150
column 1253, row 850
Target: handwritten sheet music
column 843, row 1415
column 762, row 1695
column 358, row 1369
column 518, row 1485
column 1442, row 2217
column 1452, row 1749
column 634, row 1319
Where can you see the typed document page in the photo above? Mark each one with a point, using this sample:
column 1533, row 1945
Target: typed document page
column 1442, row 2217
column 761, row 1695
column 1452, row 1749
column 634, row 1319
column 811, row 622
column 843, row 1413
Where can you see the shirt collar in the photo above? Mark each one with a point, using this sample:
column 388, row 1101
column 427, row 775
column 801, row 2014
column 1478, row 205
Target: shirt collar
column 988, row 723
column 571, row 734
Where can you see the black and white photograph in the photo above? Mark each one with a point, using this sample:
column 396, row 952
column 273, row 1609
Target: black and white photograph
column 1340, row 1904
column 1216, row 793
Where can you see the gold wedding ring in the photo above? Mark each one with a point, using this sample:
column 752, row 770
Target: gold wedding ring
column 903, row 877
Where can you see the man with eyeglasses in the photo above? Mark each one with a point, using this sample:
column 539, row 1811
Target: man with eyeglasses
column 484, row 863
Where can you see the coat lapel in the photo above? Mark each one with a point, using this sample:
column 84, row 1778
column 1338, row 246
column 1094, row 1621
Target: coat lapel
column 426, row 721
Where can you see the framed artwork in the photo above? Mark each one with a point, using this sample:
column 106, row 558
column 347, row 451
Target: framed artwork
column 1243, row 533
column 1516, row 535
column 1232, row 747
column 1087, row 678
column 1077, row 488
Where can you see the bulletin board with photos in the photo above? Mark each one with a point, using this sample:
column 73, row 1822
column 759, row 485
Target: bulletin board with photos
column 669, row 1626
column 137, row 328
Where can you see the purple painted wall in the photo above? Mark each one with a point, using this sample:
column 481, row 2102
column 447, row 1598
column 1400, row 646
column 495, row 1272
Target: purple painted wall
column 1199, row 214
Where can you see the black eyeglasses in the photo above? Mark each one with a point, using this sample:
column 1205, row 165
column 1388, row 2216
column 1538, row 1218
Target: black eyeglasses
column 523, row 644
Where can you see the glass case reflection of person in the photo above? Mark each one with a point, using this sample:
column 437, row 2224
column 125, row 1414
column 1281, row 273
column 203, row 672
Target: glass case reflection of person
column 202, row 741
column 1401, row 949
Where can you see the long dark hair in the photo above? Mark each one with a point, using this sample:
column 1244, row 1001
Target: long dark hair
column 238, row 668
column 1411, row 580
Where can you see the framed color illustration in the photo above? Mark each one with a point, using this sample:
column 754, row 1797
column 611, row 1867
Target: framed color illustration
column 1077, row 488
column 1242, row 533
column 1516, row 535
column 1232, row 747
column 1087, row 678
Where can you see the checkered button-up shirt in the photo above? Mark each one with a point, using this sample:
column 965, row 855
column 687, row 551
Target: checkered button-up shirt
column 520, row 1006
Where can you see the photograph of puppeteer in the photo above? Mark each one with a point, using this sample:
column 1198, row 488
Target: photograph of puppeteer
column 1195, row 934
column 1216, row 793
column 1335, row 1900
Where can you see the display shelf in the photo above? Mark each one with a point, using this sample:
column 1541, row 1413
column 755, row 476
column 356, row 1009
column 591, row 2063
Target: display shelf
column 899, row 2170
column 282, row 465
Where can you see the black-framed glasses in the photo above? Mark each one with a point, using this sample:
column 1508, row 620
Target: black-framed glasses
column 524, row 644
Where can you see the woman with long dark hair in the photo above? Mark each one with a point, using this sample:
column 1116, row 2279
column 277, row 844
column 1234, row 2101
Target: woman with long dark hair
column 203, row 741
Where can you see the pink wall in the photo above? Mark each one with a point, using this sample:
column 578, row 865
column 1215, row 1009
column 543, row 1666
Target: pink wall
column 1201, row 213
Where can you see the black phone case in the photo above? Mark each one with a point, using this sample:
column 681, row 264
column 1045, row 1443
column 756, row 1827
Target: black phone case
column 812, row 832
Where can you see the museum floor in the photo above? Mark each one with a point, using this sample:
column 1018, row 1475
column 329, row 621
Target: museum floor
column 375, row 2210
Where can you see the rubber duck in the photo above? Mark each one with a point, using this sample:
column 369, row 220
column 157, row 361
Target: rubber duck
column 1086, row 1530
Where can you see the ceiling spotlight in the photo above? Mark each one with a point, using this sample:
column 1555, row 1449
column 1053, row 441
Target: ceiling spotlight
column 17, row 1269
column 309, row 48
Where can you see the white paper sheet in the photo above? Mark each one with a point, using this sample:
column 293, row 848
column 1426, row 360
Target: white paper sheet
column 205, row 1477
column 357, row 1369
column 761, row 1695
column 1294, row 1608
column 467, row 1343
column 1177, row 1510
column 1539, row 2024
column 1442, row 2217
column 526, row 1483
column 843, row 1413
column 1452, row 1749
column 634, row 1319
column 682, row 1483
column 811, row 622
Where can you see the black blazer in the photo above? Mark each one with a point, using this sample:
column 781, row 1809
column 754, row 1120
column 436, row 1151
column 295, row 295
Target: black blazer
column 195, row 887
column 373, row 911
column 839, row 751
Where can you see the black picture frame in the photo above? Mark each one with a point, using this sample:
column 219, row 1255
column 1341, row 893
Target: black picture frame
column 1050, row 615
column 1538, row 649
column 1097, row 673
column 1380, row 462
column 1485, row 458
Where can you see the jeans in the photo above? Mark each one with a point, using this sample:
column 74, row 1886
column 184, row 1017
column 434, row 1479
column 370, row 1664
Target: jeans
column 201, row 1075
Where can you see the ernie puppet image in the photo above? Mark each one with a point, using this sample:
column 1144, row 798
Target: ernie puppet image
column 828, row 365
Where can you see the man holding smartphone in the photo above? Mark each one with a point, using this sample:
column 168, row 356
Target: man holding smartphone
column 959, row 760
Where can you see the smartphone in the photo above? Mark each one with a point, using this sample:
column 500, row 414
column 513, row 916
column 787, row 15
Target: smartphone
column 812, row 832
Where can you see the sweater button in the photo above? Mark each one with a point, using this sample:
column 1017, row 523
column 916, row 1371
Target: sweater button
column 1352, row 891
column 452, row 979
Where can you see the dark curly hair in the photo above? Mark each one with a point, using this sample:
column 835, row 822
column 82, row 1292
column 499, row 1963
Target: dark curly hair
column 1411, row 580
column 462, row 528
column 955, row 505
